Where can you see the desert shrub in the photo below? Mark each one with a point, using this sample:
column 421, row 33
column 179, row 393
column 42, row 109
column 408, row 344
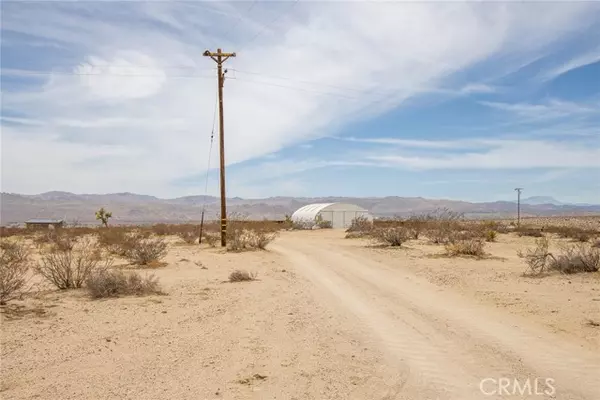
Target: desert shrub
column 468, row 247
column 537, row 258
column 161, row 229
column 190, row 237
column 360, row 225
column 574, row 259
column 262, row 239
column 301, row 225
column 241, row 276
column 245, row 239
column 56, row 238
column 8, row 231
column 571, row 258
column 110, row 283
column 571, row 232
column 417, row 224
column 116, row 241
column 531, row 232
column 145, row 250
column 67, row 269
column 14, row 266
column 442, row 225
column 490, row 235
column 391, row 236
column 211, row 238
column 62, row 240
column 323, row 224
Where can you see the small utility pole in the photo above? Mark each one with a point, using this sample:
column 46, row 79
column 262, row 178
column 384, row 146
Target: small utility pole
column 220, row 57
column 518, row 205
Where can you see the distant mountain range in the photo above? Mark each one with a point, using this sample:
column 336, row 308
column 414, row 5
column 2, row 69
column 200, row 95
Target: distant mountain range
column 539, row 200
column 130, row 208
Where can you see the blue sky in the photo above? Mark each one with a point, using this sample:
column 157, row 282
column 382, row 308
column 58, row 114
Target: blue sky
column 433, row 99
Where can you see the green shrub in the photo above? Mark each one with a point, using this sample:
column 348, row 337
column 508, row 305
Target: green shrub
column 490, row 236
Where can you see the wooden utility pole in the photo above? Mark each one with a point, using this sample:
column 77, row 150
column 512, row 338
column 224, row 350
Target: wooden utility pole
column 518, row 205
column 219, row 57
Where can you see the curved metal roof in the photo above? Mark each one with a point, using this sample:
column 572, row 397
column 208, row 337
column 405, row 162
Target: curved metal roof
column 310, row 211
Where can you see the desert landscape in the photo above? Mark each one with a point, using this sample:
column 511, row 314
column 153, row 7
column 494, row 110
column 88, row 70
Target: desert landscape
column 299, row 200
column 402, row 309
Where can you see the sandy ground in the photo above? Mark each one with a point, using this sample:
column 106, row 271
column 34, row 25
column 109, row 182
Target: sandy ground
column 328, row 318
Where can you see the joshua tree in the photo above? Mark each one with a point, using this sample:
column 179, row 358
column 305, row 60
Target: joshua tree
column 103, row 215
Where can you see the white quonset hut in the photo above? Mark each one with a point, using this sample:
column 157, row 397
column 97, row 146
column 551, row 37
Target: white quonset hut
column 339, row 214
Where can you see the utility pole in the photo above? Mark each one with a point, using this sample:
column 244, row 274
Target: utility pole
column 518, row 205
column 219, row 57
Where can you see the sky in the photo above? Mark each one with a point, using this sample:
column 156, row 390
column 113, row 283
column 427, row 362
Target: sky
column 454, row 100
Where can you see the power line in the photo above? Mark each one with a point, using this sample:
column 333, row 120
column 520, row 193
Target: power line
column 239, row 18
column 212, row 136
column 246, row 80
column 306, row 82
column 73, row 73
column 261, row 31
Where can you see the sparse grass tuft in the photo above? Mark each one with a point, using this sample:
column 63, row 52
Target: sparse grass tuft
column 466, row 247
column 14, row 266
column 241, row 276
column 109, row 283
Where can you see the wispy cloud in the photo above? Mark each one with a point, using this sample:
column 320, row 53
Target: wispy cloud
column 155, row 126
column 550, row 109
column 477, row 88
column 499, row 154
column 588, row 58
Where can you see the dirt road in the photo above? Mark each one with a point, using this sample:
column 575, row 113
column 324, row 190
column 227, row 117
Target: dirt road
column 445, row 346
column 327, row 318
